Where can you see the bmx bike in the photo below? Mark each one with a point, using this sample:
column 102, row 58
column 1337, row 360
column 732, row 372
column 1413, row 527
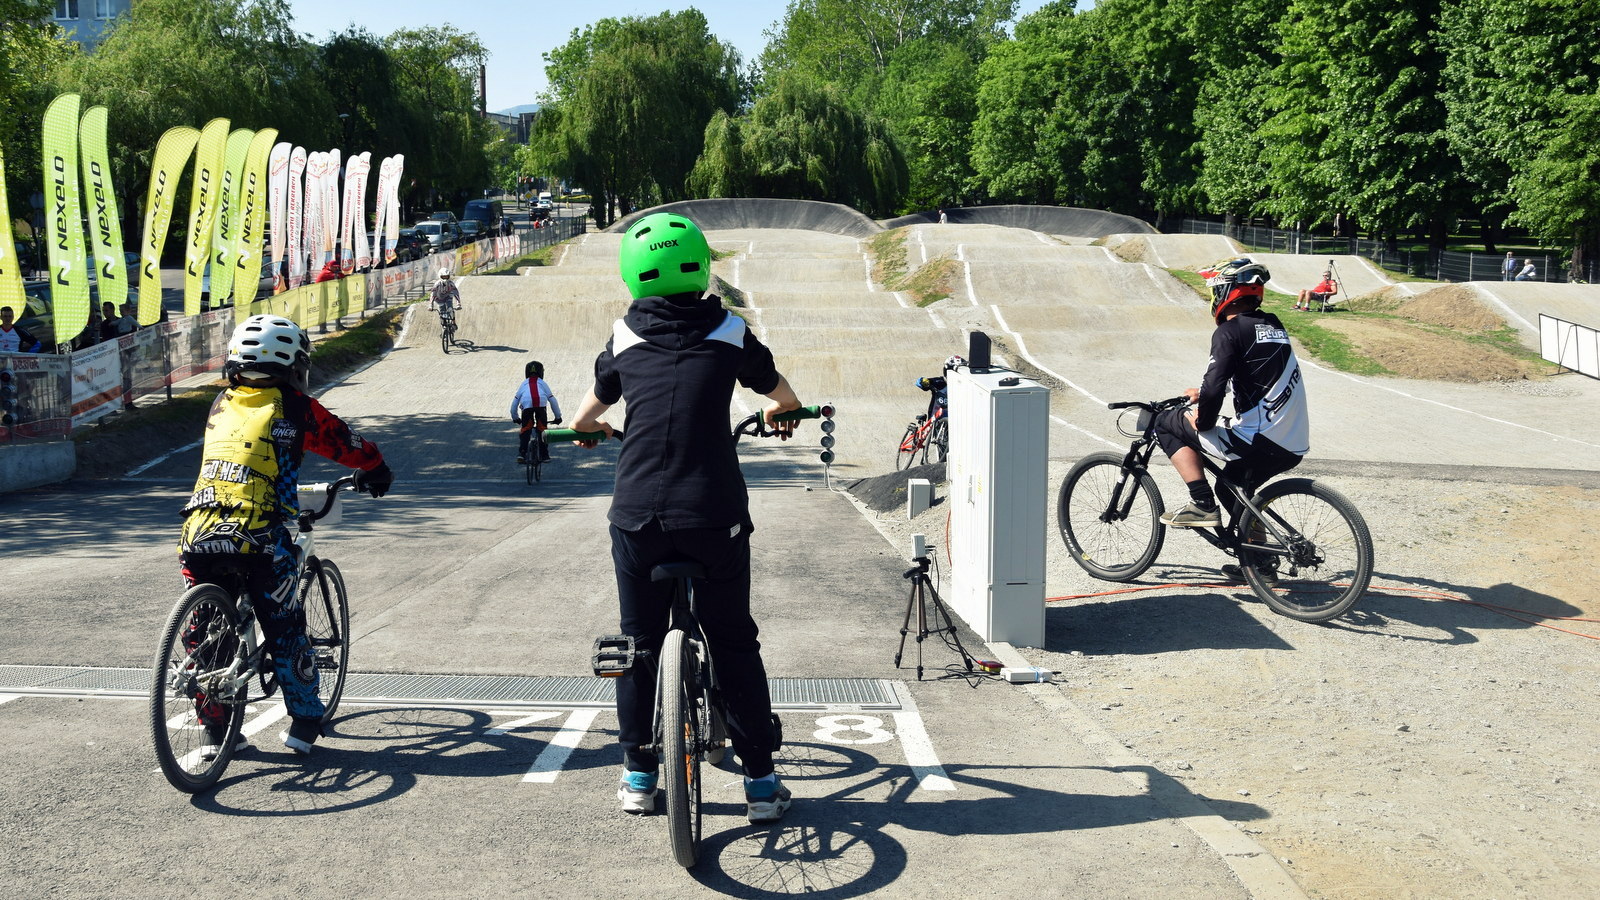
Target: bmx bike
column 1303, row 548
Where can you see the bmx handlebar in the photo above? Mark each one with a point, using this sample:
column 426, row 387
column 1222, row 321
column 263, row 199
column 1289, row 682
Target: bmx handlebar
column 567, row 434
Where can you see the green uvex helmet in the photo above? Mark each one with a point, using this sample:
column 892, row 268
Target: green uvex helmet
column 665, row 254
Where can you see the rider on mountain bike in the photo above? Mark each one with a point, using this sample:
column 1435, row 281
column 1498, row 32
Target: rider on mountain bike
column 236, row 523
column 528, row 407
column 676, row 357
column 1271, row 429
column 445, row 296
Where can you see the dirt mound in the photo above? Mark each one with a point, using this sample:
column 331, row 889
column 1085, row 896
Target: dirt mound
column 1453, row 306
column 1413, row 352
column 882, row 493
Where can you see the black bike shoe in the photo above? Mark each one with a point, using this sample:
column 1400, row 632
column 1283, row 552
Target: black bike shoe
column 1269, row 574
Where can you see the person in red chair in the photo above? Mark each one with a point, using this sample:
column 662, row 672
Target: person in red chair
column 1321, row 295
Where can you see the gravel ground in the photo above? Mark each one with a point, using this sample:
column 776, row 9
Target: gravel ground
column 1416, row 747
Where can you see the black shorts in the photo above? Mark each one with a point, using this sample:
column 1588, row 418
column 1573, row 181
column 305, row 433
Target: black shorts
column 1258, row 461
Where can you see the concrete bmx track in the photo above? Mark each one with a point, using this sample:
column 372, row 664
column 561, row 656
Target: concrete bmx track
column 1170, row 763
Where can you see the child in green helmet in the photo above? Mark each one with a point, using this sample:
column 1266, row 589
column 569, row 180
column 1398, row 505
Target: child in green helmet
column 676, row 356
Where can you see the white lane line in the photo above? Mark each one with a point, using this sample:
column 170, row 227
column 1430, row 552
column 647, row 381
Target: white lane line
column 918, row 747
column 900, row 299
column 972, row 295
column 866, row 263
column 7, row 698
column 549, row 764
column 164, row 457
column 736, row 271
column 1022, row 347
column 563, row 258
column 1154, row 252
column 1373, row 384
column 1156, row 276
column 1068, row 425
column 1502, row 304
column 923, row 245
column 1042, row 239
column 524, row 721
column 937, row 322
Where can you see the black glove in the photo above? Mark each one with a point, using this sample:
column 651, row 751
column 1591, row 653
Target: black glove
column 375, row 482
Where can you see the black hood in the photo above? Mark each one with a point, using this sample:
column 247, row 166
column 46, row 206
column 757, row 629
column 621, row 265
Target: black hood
column 676, row 322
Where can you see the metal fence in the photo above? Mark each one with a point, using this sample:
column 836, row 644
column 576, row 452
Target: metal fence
column 47, row 395
column 1448, row 265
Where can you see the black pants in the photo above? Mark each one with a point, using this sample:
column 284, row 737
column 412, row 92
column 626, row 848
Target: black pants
column 722, row 601
column 533, row 426
column 1258, row 461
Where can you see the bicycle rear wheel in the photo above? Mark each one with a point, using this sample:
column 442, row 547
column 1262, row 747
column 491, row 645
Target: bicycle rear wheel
column 1110, row 519
column 1325, row 567
column 939, row 440
column 328, row 628
column 906, row 455
column 677, row 694
column 194, row 730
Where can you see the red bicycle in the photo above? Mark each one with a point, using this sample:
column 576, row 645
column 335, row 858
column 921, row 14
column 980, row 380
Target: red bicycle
column 928, row 434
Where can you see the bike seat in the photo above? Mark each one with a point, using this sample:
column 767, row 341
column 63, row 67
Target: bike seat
column 681, row 568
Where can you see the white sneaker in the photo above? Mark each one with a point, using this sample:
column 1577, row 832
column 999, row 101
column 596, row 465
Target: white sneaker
column 637, row 791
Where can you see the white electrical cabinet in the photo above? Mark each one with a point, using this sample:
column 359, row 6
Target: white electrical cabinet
column 999, row 446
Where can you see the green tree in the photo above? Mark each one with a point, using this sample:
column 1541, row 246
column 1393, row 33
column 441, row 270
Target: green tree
column 31, row 46
column 436, row 77
column 1236, row 56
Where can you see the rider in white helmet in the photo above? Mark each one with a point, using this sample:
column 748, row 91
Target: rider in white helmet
column 236, row 524
column 445, row 296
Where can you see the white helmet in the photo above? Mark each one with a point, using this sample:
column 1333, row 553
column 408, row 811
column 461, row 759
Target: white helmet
column 444, row 274
column 266, row 346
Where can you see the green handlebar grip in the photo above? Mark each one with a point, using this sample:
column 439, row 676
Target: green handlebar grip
column 553, row 435
column 795, row 415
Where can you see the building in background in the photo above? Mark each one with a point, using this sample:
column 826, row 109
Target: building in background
column 87, row 21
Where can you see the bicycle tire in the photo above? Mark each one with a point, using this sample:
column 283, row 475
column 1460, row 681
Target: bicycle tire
column 528, row 464
column 444, row 338
column 680, row 757
column 939, row 440
column 175, row 725
column 1329, row 574
column 906, row 455
column 327, row 607
column 1124, row 547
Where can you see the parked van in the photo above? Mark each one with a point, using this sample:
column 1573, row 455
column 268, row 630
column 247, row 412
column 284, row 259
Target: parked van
column 545, row 200
column 489, row 212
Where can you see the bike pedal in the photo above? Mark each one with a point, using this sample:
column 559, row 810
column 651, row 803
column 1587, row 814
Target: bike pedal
column 613, row 655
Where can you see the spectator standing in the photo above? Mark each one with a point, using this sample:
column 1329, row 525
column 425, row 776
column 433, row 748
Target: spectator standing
column 128, row 324
column 1509, row 267
column 109, row 322
column 14, row 339
column 1529, row 272
column 944, row 219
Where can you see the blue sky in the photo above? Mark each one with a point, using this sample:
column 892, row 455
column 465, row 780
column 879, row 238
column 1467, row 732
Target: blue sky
column 517, row 33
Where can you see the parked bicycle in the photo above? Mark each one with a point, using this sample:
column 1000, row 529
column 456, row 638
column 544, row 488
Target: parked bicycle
column 212, row 648
column 1303, row 548
column 929, row 433
column 690, row 717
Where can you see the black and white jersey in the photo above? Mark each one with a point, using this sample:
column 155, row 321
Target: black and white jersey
column 1251, row 354
column 676, row 362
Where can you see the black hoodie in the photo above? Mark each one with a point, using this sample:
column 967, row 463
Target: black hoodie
column 676, row 359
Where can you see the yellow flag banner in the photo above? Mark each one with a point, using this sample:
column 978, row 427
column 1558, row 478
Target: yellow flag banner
column 225, row 230
column 247, row 252
column 166, row 167
column 11, row 293
column 105, row 228
column 209, row 158
column 69, row 262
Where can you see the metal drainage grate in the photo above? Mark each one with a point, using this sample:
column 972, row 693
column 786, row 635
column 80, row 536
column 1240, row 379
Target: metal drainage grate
column 443, row 690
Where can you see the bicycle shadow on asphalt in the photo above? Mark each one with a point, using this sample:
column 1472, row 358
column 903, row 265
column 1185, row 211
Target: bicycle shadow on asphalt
column 836, row 844
column 1379, row 610
column 1202, row 617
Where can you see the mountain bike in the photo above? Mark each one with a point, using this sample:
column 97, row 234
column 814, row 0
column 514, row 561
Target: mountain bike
column 690, row 718
column 1303, row 548
column 212, row 647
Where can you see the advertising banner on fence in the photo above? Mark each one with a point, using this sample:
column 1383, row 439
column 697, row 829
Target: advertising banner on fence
column 209, row 157
column 166, row 167
column 247, row 254
column 225, row 230
column 105, row 228
column 11, row 292
column 349, row 208
column 44, row 395
column 358, row 218
column 278, row 185
column 380, row 211
column 391, row 234
column 316, row 170
column 63, row 209
column 96, row 382
column 330, row 207
column 295, row 244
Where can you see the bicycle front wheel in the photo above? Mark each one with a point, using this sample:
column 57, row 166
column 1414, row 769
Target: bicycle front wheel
column 906, row 456
column 1326, row 564
column 1110, row 519
column 444, row 338
column 680, row 747
column 193, row 720
column 328, row 628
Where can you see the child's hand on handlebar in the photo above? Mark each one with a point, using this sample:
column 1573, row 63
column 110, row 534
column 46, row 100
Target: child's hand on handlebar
column 593, row 426
column 784, row 430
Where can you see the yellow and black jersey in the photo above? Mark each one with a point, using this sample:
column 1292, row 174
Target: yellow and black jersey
column 249, row 478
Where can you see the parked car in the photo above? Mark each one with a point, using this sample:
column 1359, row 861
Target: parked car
column 264, row 282
column 444, row 216
column 472, row 230
column 439, row 235
column 486, row 212
column 410, row 246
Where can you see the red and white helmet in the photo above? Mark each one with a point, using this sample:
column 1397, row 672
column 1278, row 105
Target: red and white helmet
column 1237, row 285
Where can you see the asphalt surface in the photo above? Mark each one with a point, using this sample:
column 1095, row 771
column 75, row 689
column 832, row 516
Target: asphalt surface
column 464, row 569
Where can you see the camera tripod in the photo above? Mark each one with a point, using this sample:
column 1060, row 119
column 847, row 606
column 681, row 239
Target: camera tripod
column 921, row 590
